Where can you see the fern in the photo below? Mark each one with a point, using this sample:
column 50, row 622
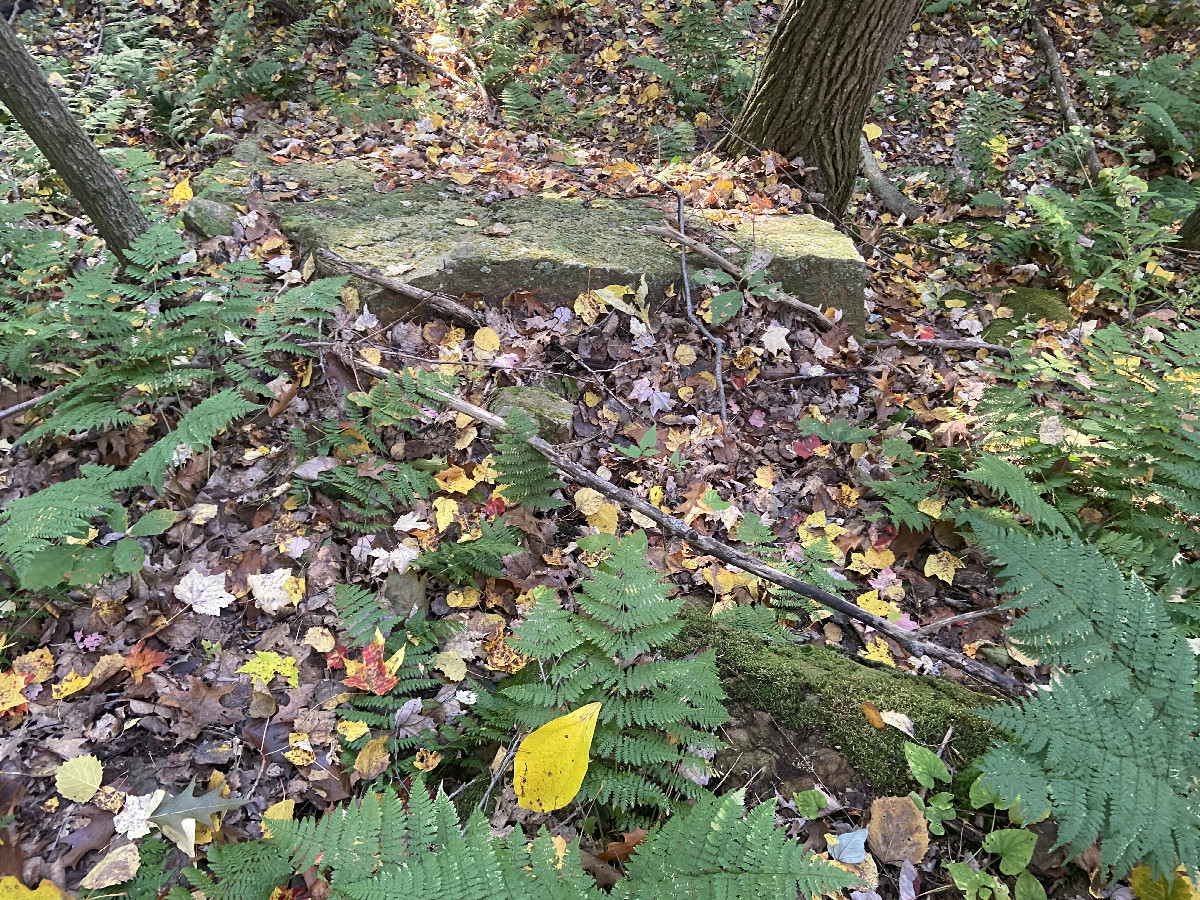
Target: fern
column 406, row 400
column 363, row 613
column 384, row 847
column 528, row 478
column 1008, row 480
column 1111, row 749
column 981, row 134
column 658, row 715
column 459, row 562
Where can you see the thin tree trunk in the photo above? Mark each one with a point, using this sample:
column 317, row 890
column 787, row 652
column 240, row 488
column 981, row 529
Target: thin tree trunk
column 1189, row 232
column 35, row 103
column 816, row 82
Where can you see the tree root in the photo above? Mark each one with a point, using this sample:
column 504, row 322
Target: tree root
column 889, row 195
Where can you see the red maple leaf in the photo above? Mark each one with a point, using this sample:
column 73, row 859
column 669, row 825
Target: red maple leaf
column 140, row 662
column 336, row 659
column 374, row 673
column 494, row 507
column 805, row 447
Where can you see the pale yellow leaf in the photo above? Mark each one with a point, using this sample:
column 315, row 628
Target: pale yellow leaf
column 79, row 778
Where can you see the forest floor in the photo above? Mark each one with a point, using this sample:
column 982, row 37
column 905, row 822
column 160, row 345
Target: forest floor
column 163, row 695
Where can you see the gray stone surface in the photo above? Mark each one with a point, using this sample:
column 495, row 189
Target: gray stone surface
column 209, row 218
column 558, row 247
column 551, row 412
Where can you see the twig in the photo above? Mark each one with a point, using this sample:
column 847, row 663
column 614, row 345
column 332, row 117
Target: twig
column 731, row 268
column 935, row 627
column 1064, row 93
column 940, row 344
column 17, row 408
column 881, row 186
column 718, row 344
column 16, row 188
column 500, row 770
column 443, row 303
column 12, row 17
column 940, row 750
column 722, row 551
column 420, row 60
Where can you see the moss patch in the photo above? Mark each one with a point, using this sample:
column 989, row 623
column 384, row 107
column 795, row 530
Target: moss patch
column 814, row 690
column 1028, row 305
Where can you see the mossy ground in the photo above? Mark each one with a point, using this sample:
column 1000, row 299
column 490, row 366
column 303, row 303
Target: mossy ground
column 815, row 690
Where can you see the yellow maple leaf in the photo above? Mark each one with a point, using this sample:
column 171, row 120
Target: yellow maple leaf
column 445, row 510
column 871, row 602
column 11, row 698
column 266, row 665
column 38, row 664
column 942, row 565
column 11, row 889
column 182, row 192
column 454, row 480
column 552, row 761
column 352, row 729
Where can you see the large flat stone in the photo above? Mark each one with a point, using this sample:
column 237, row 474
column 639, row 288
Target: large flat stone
column 557, row 247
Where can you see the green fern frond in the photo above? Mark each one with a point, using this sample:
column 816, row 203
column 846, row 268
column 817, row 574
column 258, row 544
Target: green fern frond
column 527, row 477
column 1009, row 481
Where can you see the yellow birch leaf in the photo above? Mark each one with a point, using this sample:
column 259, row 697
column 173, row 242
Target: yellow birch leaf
column 551, row 762
column 117, row 867
column 932, row 506
column 283, row 811
column 372, row 759
column 588, row 501
column 79, row 778
column 942, row 565
column 72, row 684
column 444, row 511
column 604, row 519
column 371, row 355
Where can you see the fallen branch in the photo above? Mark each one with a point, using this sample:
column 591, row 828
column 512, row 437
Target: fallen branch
column 731, row 268
column 881, row 186
column 940, row 344
column 1064, row 93
column 420, row 60
column 443, row 303
column 722, row 551
column 17, row 408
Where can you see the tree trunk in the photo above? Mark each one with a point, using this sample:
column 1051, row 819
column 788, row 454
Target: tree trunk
column 816, row 82
column 1189, row 232
column 35, row 103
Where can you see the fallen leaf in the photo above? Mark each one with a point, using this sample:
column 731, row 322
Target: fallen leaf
column 374, row 673
column 78, row 779
column 450, row 664
column 71, row 685
column 11, row 889
column 372, row 759
column 619, row 851
column 320, row 639
column 874, row 717
column 141, row 662
column 283, row 811
column 118, row 866
column 943, row 565
column 276, row 590
column 551, row 762
column 133, row 820
column 37, row 664
column 12, row 701
column 898, row 831
column 878, row 651
column 352, row 729
column 588, row 501
column 605, row 518
column 205, row 594
column 266, row 665
column 427, row 760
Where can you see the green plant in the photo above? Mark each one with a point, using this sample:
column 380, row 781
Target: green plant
column 388, row 847
column 528, row 478
column 460, row 561
column 728, row 303
column 645, row 448
column 1110, row 751
column 981, row 135
column 1103, row 235
column 654, row 736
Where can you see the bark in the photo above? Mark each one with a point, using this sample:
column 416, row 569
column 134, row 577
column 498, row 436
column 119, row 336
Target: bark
column 1189, row 232
column 36, row 105
column 816, row 82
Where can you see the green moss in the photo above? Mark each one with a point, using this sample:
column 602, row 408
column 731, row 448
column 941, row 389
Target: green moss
column 1028, row 305
column 815, row 690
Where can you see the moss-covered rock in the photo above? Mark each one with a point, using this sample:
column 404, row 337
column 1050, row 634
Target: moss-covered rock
column 1028, row 305
column 818, row 694
column 435, row 235
column 551, row 412
column 209, row 218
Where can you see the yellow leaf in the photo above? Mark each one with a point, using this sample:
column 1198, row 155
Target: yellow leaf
column 301, row 752
column 427, row 760
column 1146, row 887
column 283, row 811
column 454, row 480
column 932, row 506
column 39, row 664
column 764, row 477
column 320, row 639
column 11, row 889
column 72, row 684
column 878, row 559
column 871, row 602
column 588, row 501
column 605, row 518
column 942, row 565
column 685, row 354
column 487, row 343
column 371, row 355
column 79, row 778
column 872, row 131
column 463, row 177
column 444, row 511
column 267, row 664
column 352, row 730
column 118, row 866
column 589, row 306
column 878, row 651
column 182, row 192
column 372, row 759
column 11, row 698
column 552, row 761
column 450, row 664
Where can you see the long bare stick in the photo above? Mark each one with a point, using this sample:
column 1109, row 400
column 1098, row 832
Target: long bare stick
column 443, row 303
column 1064, row 93
column 940, row 344
column 732, row 268
column 722, row 551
